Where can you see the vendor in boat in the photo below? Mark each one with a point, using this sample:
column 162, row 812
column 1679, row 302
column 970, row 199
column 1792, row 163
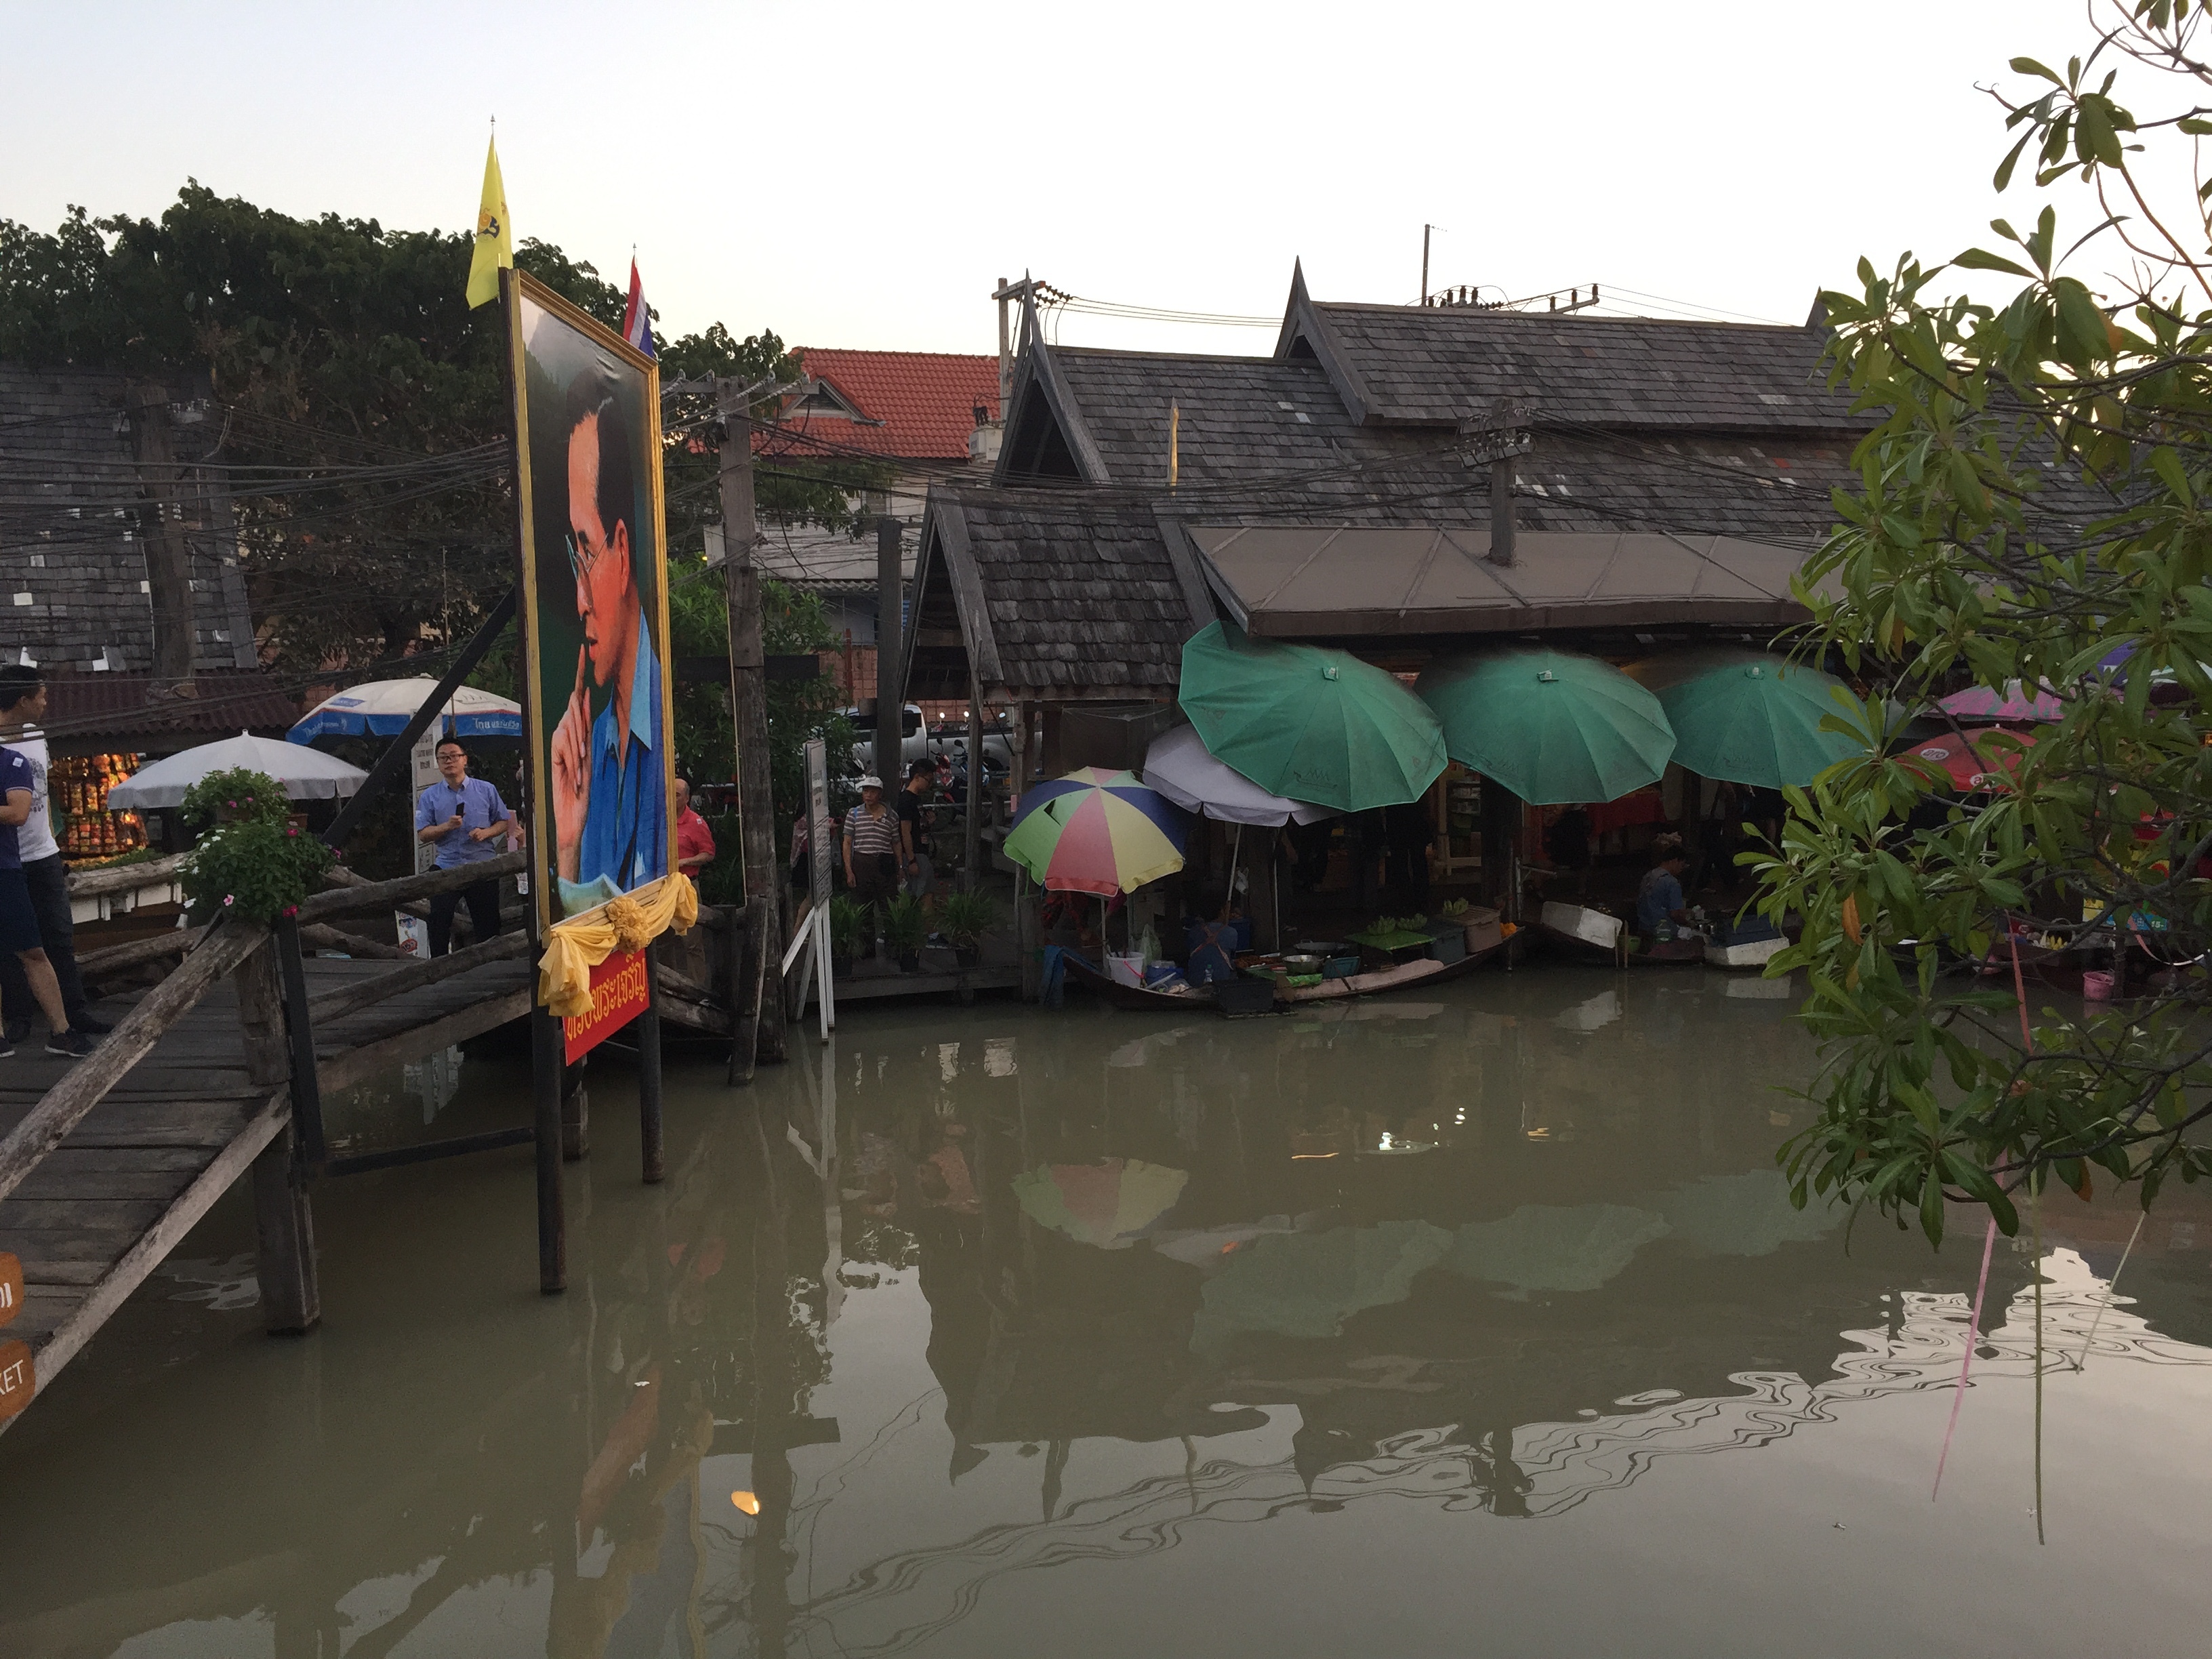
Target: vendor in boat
column 1211, row 946
column 1659, row 896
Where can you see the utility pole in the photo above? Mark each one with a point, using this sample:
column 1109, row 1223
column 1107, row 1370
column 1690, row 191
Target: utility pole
column 1005, row 349
column 1006, row 294
column 890, row 706
column 1425, row 229
column 168, row 562
column 759, row 1033
column 1493, row 440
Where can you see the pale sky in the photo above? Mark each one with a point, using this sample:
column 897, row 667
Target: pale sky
column 858, row 175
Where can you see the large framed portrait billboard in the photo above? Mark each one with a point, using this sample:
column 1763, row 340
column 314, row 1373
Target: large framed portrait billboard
column 595, row 605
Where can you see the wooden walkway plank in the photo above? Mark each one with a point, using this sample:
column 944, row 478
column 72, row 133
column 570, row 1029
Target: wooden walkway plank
column 106, row 1163
column 146, row 1253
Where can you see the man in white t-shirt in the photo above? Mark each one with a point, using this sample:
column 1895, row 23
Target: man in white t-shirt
column 22, row 706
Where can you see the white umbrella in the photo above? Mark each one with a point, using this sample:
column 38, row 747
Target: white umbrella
column 306, row 774
column 381, row 709
column 1178, row 766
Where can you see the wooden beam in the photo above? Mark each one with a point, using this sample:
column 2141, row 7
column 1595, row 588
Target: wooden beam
column 712, row 1020
column 684, row 985
column 116, row 957
column 132, row 1268
column 66, row 1103
column 122, row 878
column 389, row 895
column 338, row 876
column 335, row 1004
column 343, row 1071
column 331, row 938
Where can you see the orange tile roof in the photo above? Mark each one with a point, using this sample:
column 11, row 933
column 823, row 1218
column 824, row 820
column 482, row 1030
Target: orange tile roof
column 920, row 405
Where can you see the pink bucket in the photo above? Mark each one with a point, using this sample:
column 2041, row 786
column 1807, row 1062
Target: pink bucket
column 2097, row 985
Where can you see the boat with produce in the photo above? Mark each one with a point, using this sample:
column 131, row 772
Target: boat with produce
column 1316, row 971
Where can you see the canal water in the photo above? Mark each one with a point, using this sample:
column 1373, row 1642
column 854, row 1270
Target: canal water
column 1478, row 1324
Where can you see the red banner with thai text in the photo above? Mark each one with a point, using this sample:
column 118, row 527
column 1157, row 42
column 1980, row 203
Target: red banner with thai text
column 618, row 996
column 18, row 1381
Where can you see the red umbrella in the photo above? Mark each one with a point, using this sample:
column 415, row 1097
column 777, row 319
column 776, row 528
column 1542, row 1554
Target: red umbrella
column 2013, row 702
column 1969, row 761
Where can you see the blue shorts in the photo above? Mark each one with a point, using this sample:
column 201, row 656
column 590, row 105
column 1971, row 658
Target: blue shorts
column 19, row 922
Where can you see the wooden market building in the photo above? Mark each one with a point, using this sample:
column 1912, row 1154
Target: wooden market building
column 1675, row 476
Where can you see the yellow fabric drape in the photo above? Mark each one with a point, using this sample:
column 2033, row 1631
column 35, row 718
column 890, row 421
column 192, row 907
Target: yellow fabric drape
column 573, row 948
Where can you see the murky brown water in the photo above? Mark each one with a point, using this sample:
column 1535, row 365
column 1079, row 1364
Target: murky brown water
column 1467, row 1325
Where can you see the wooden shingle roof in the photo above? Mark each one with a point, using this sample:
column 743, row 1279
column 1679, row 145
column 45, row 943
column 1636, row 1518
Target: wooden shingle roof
column 1049, row 593
column 1431, row 366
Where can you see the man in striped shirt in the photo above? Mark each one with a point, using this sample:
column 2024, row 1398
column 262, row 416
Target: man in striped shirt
column 872, row 852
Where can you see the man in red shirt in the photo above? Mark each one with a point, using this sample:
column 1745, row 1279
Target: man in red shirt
column 695, row 842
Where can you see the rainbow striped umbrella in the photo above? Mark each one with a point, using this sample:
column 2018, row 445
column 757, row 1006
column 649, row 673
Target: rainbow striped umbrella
column 1096, row 831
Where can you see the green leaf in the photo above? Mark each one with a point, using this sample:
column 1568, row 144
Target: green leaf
column 2029, row 66
column 2167, row 465
column 1975, row 258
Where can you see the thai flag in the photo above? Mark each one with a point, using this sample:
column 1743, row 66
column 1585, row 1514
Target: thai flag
column 637, row 325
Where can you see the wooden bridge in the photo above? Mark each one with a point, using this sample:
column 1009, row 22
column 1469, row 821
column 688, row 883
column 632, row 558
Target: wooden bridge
column 106, row 1163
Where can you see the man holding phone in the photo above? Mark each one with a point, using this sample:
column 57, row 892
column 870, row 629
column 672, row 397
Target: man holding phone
column 465, row 818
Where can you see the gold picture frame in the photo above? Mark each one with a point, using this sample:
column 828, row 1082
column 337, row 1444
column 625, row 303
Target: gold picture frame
column 632, row 379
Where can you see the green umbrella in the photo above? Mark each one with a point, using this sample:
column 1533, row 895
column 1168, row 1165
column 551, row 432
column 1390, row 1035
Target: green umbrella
column 1551, row 726
column 1311, row 724
column 1746, row 716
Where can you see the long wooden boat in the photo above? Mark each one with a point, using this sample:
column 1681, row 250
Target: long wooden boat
column 1118, row 995
column 1572, row 947
column 1404, row 977
column 1424, row 972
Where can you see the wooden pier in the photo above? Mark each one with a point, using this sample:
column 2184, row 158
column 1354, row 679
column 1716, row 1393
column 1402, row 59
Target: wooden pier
column 219, row 1071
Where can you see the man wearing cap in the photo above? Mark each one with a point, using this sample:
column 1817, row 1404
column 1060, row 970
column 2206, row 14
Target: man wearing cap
column 872, row 850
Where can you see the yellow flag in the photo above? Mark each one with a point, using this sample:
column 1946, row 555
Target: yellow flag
column 494, row 241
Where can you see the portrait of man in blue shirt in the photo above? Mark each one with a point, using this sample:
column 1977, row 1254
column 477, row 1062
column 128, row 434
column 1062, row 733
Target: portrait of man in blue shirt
column 609, row 774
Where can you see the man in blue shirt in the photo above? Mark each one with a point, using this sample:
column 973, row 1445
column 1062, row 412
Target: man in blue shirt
column 609, row 782
column 19, row 922
column 1659, row 896
column 465, row 819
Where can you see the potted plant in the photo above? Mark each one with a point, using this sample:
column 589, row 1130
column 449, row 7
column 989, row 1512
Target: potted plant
column 846, row 916
column 250, row 858
column 963, row 919
column 906, row 925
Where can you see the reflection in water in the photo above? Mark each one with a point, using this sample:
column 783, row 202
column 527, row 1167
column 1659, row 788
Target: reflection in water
column 984, row 1326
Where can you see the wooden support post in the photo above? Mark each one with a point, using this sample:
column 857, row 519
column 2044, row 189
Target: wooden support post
column 575, row 1113
column 739, row 958
column 648, row 1074
column 284, row 1240
column 283, row 1228
column 300, row 1039
column 971, row 849
column 547, row 1076
column 761, row 1023
column 168, row 561
column 1501, row 841
column 1025, row 941
column 889, row 746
